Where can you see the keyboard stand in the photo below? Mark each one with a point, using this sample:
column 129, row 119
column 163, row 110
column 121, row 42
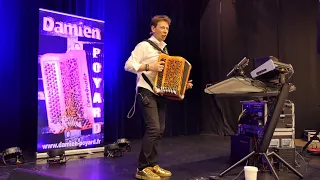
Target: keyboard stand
column 268, row 133
column 235, row 85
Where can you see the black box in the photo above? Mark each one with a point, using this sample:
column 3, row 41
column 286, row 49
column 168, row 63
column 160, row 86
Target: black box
column 241, row 146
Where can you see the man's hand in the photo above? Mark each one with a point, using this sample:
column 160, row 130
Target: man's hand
column 189, row 84
column 157, row 66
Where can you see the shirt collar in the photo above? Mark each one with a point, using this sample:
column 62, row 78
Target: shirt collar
column 161, row 44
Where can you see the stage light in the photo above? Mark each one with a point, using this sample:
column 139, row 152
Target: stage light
column 112, row 150
column 56, row 156
column 117, row 148
column 124, row 144
column 12, row 155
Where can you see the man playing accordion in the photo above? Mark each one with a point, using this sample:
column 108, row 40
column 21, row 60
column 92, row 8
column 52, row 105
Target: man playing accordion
column 144, row 60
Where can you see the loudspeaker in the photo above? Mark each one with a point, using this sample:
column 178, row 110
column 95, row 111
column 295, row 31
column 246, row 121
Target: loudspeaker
column 25, row 174
column 241, row 145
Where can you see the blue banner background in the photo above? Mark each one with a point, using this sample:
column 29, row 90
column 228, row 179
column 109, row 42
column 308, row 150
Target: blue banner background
column 50, row 42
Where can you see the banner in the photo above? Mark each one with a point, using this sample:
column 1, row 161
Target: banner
column 70, row 82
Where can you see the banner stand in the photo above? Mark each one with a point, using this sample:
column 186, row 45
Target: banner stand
column 74, row 152
column 70, row 84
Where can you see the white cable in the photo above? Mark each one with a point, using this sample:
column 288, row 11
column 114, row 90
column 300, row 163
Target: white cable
column 133, row 108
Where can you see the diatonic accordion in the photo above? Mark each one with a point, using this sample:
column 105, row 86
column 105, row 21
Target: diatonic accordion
column 172, row 81
column 67, row 91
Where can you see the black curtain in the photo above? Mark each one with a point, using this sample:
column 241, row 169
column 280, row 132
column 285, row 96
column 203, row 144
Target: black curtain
column 298, row 34
column 286, row 29
column 183, row 117
column 18, row 74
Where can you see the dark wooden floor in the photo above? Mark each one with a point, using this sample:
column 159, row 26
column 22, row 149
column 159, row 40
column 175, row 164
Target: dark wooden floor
column 188, row 157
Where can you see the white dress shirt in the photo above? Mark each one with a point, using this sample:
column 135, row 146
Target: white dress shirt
column 144, row 53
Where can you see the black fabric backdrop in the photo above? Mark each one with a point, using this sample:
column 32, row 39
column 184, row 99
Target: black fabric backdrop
column 213, row 36
column 286, row 29
column 183, row 118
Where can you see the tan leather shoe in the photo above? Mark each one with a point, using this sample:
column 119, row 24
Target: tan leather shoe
column 161, row 172
column 147, row 173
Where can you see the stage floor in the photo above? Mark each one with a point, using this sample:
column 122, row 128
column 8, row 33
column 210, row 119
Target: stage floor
column 188, row 157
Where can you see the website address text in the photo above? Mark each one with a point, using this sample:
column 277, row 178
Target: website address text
column 71, row 144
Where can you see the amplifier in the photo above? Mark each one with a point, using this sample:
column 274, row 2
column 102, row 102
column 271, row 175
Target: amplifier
column 254, row 113
column 257, row 113
column 288, row 107
column 251, row 130
column 241, row 146
column 287, row 154
column 287, row 117
column 282, row 139
column 285, row 121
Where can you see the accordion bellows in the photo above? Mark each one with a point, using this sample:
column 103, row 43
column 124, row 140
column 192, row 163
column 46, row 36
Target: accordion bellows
column 67, row 91
column 172, row 81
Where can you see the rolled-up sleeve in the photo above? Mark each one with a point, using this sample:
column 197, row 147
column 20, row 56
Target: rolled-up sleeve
column 134, row 61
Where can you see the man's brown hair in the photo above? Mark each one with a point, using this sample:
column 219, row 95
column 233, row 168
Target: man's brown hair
column 158, row 18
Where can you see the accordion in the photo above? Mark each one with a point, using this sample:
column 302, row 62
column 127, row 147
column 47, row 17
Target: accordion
column 172, row 81
column 67, row 91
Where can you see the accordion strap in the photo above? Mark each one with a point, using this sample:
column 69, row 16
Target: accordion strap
column 158, row 48
column 147, row 80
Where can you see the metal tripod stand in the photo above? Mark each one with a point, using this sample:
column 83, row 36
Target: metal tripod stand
column 268, row 133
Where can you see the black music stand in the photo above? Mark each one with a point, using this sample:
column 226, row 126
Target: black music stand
column 268, row 133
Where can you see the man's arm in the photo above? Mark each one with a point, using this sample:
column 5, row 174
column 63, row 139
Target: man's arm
column 133, row 63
